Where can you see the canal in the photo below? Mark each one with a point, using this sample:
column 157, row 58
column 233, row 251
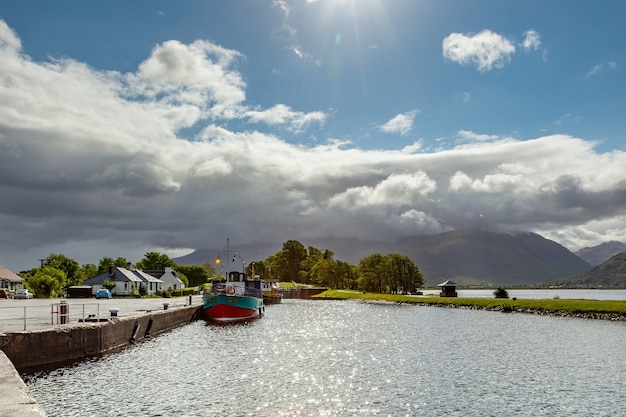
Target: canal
column 347, row 358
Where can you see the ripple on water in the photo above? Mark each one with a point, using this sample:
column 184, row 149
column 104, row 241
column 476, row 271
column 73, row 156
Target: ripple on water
column 325, row 358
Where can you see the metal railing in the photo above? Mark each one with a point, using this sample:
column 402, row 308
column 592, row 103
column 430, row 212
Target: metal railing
column 20, row 317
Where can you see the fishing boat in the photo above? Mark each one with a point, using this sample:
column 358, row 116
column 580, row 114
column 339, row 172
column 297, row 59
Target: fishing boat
column 271, row 293
column 236, row 298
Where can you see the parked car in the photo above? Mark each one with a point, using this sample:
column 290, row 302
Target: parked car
column 23, row 294
column 5, row 293
column 103, row 293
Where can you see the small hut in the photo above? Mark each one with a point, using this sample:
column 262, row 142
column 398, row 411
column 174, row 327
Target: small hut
column 448, row 289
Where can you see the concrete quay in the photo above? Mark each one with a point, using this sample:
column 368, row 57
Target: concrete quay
column 88, row 330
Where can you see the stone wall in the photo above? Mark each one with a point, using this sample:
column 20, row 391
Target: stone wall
column 41, row 349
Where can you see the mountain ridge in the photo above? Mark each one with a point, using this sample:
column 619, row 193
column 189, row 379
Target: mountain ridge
column 596, row 255
column 470, row 257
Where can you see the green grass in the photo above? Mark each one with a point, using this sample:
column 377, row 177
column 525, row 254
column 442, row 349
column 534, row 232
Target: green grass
column 574, row 307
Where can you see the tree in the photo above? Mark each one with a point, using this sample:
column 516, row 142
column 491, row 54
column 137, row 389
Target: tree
column 370, row 269
column 404, row 276
column 324, row 272
column 48, row 282
column 69, row 266
column 103, row 265
column 87, row 271
column 500, row 293
column 155, row 260
column 211, row 270
column 391, row 273
column 196, row 274
column 288, row 261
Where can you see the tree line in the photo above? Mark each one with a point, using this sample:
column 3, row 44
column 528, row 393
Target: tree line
column 393, row 273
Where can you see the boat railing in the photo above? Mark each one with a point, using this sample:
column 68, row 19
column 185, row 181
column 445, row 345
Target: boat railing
column 235, row 291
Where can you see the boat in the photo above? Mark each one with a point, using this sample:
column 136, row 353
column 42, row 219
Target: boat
column 234, row 299
column 271, row 290
column 271, row 293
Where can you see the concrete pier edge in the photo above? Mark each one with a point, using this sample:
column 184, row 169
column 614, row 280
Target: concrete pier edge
column 15, row 399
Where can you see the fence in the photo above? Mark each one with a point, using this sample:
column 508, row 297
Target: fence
column 15, row 318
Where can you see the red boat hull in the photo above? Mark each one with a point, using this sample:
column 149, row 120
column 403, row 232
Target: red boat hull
column 230, row 313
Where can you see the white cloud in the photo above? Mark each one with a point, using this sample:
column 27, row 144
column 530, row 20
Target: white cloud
column 283, row 6
column 486, row 50
column 196, row 73
column 471, row 136
column 8, row 38
column 402, row 123
column 532, row 40
column 602, row 67
column 282, row 114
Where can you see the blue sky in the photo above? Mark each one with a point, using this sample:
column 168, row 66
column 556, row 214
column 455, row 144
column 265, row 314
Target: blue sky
column 368, row 119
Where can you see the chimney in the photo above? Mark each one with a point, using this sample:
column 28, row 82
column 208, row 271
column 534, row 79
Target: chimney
column 129, row 265
column 111, row 269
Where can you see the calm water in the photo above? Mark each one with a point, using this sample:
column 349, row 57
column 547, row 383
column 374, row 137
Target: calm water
column 346, row 358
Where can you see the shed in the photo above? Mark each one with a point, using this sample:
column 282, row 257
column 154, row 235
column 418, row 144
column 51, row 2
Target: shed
column 448, row 289
column 79, row 291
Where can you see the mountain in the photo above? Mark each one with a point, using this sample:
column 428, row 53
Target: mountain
column 604, row 251
column 480, row 257
column 469, row 257
column 609, row 274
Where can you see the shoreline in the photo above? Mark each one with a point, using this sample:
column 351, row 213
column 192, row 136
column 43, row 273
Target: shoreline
column 610, row 310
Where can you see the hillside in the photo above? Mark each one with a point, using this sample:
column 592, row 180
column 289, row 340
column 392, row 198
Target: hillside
column 468, row 257
column 609, row 274
column 479, row 257
column 597, row 254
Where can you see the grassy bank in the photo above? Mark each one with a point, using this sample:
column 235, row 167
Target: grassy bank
column 601, row 309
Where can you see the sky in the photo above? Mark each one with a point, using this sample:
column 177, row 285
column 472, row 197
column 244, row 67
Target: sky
column 129, row 127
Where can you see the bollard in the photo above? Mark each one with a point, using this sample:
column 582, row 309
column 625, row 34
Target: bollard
column 190, row 299
column 147, row 335
column 165, row 306
column 64, row 312
column 135, row 331
column 114, row 311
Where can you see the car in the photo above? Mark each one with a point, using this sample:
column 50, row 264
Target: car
column 23, row 294
column 4, row 293
column 103, row 293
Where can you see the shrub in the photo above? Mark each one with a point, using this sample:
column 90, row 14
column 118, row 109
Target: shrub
column 500, row 293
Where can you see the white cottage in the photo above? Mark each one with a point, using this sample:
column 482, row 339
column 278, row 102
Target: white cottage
column 126, row 281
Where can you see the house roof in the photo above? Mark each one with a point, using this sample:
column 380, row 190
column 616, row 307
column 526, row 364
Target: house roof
column 119, row 274
column 146, row 277
column 448, row 283
column 126, row 273
column 7, row 275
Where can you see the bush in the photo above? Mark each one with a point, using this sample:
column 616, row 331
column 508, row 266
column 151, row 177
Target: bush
column 500, row 293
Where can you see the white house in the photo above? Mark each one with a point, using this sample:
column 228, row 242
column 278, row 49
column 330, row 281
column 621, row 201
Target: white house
column 126, row 280
column 170, row 278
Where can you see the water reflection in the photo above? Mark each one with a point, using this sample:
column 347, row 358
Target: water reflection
column 325, row 358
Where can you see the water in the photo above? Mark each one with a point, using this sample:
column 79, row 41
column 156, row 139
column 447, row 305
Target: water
column 346, row 358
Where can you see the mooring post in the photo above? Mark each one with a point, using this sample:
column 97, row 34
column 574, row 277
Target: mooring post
column 135, row 331
column 147, row 334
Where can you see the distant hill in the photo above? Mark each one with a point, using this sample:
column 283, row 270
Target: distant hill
column 597, row 254
column 609, row 274
column 469, row 257
column 479, row 257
